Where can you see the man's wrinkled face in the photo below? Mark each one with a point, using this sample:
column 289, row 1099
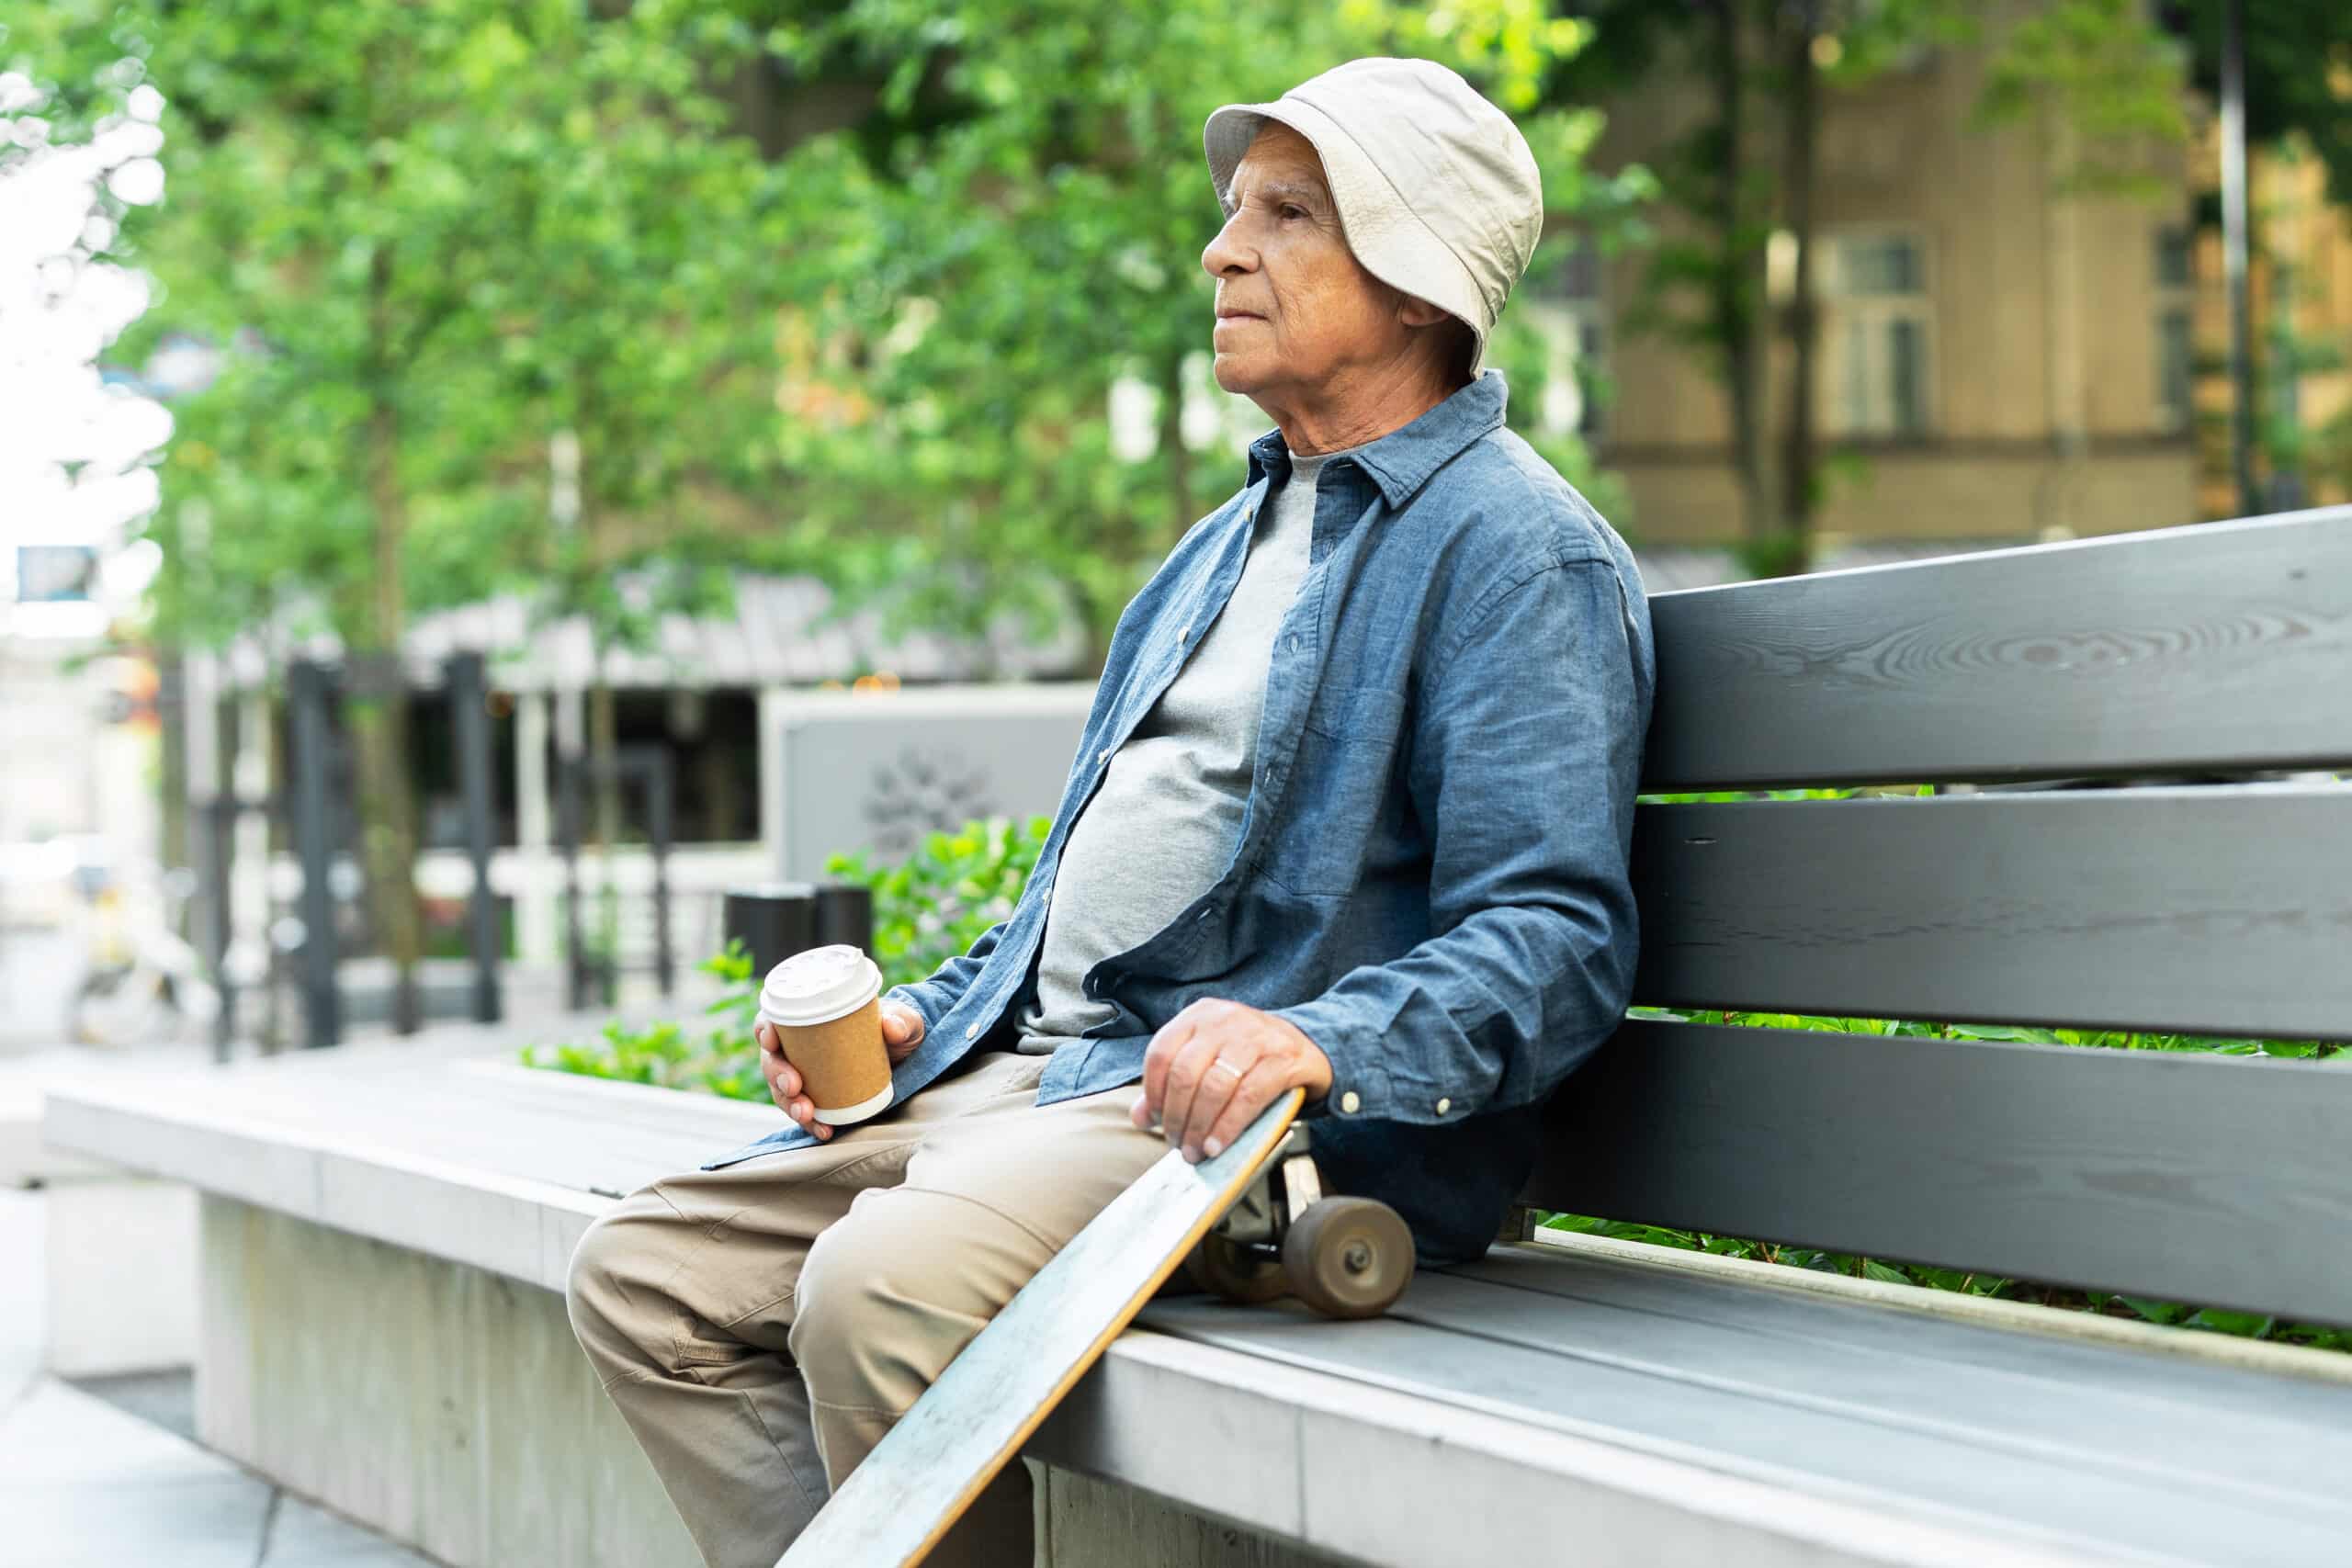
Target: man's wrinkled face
column 1294, row 306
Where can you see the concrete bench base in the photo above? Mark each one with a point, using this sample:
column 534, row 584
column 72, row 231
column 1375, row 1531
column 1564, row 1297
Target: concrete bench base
column 450, row 1408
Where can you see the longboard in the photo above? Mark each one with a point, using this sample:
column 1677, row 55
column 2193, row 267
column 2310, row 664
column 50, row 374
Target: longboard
column 906, row 1495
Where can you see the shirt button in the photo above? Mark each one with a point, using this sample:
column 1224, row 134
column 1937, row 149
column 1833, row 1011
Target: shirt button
column 1103, row 755
column 1443, row 1106
column 1349, row 1102
column 971, row 1030
column 1183, row 631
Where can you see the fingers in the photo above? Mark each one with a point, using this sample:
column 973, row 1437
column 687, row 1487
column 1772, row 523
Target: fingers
column 1252, row 1092
column 785, row 1087
column 1164, row 1045
column 1200, row 1080
column 901, row 1025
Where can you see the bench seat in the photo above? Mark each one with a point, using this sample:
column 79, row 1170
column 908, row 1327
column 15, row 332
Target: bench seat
column 1660, row 1409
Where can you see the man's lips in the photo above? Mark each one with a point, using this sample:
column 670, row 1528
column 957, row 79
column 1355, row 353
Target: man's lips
column 1226, row 313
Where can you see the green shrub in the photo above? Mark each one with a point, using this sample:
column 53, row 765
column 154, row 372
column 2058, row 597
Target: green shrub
column 933, row 905
column 724, row 1061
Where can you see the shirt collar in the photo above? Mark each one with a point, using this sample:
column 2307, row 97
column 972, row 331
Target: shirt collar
column 1400, row 462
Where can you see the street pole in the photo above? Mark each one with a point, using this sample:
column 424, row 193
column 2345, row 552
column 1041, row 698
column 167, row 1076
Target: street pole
column 306, row 697
column 469, row 715
column 2234, row 253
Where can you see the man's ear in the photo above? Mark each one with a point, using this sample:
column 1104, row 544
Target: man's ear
column 1415, row 311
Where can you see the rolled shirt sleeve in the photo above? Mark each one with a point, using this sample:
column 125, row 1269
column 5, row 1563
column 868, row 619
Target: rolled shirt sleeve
column 1525, row 758
column 938, row 992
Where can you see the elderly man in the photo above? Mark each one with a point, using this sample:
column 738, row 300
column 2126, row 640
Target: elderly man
column 1351, row 814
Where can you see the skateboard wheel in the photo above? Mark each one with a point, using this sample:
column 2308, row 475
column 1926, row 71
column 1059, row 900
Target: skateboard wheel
column 1349, row 1257
column 1229, row 1269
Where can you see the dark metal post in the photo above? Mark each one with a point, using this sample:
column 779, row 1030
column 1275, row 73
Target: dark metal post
column 2234, row 247
column 773, row 920
column 845, row 913
column 306, row 693
column 658, row 791
column 567, row 835
column 469, row 715
column 217, row 871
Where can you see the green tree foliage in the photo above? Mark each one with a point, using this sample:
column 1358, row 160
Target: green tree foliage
column 433, row 235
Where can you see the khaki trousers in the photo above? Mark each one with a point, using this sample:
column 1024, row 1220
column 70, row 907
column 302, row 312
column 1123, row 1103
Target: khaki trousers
column 760, row 1326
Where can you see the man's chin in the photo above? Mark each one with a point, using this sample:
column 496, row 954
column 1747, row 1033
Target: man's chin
column 1235, row 373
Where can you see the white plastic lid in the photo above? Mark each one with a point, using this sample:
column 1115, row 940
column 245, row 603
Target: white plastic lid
column 820, row 985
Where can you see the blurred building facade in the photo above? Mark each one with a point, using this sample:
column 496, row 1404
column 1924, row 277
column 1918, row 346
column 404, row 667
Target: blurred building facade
column 2002, row 354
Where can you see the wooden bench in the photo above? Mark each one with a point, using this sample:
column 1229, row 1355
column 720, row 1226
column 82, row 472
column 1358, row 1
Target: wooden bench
column 383, row 1239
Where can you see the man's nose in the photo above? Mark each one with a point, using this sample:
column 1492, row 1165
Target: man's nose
column 1224, row 254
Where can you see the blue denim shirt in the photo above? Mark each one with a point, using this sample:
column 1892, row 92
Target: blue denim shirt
column 1430, row 881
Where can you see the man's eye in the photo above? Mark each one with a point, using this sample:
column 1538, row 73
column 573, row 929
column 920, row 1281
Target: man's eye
column 1292, row 209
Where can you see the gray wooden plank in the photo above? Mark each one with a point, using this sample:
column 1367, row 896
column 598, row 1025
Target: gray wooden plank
column 2184, row 1374
column 1809, row 1451
column 1307, row 1454
column 2224, row 646
column 2062, row 1411
column 2223, row 911
column 2223, row 1181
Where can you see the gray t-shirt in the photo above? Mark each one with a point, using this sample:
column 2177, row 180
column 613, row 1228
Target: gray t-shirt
column 1164, row 824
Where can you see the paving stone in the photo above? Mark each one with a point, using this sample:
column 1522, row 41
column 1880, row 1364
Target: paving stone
column 306, row 1536
column 83, row 1486
column 23, row 1300
column 86, row 1485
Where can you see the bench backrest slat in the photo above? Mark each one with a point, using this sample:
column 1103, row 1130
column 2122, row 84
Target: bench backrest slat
column 2222, row 645
column 2220, row 909
column 2223, row 911
column 2183, row 1177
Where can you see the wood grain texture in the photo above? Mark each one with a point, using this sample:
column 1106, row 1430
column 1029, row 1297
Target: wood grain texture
column 903, row 1496
column 1376, row 1469
column 2219, row 1181
column 2110, row 1452
column 2222, row 910
column 2227, row 646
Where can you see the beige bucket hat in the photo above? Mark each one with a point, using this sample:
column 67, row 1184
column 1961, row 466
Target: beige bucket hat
column 1438, row 192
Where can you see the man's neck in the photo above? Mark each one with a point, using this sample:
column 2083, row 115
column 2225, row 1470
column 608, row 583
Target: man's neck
column 1355, row 410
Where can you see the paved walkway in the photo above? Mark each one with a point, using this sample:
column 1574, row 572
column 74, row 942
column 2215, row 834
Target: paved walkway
column 84, row 1485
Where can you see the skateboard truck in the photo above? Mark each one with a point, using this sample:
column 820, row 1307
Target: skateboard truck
column 1343, row 1256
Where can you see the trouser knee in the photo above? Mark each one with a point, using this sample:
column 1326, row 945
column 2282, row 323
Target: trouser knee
column 613, row 1294
column 892, row 1290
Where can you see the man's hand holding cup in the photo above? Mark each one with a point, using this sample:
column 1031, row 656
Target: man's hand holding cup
column 902, row 1032
column 841, row 1032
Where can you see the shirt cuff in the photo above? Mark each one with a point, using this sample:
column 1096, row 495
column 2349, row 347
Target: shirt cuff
column 1360, row 1086
column 906, row 995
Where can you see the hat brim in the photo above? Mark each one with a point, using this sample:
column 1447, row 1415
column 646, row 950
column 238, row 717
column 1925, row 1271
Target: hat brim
column 1388, row 236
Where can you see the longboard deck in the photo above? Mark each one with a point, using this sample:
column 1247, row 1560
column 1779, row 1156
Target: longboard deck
column 907, row 1493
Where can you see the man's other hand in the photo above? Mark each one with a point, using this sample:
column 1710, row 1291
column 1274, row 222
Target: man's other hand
column 1215, row 1066
column 902, row 1032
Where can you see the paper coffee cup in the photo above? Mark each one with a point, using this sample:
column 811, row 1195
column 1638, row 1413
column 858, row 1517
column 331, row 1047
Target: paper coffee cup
column 825, row 1004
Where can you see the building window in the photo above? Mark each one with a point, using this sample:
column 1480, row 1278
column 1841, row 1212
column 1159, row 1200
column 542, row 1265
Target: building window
column 1567, row 311
column 1877, row 335
column 2176, row 330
